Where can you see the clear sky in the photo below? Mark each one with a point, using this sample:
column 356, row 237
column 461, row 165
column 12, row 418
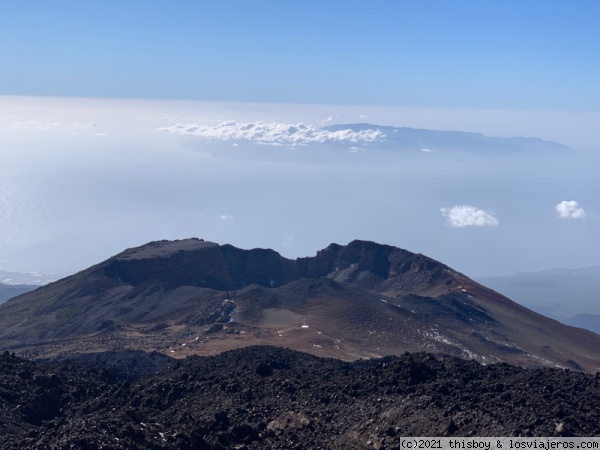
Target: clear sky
column 123, row 122
column 533, row 54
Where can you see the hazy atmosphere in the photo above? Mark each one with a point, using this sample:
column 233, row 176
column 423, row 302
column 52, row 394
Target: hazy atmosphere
column 126, row 123
column 267, row 224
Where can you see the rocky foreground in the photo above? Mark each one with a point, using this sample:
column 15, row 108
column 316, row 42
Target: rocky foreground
column 266, row 397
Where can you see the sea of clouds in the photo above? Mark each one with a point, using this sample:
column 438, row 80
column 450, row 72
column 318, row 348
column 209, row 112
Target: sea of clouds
column 81, row 180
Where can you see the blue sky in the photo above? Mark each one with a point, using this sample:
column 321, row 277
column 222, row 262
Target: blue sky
column 476, row 54
column 87, row 90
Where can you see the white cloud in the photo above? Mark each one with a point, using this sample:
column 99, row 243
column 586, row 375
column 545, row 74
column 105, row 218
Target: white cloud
column 274, row 133
column 461, row 216
column 47, row 125
column 288, row 240
column 37, row 125
column 84, row 126
column 570, row 209
column 226, row 217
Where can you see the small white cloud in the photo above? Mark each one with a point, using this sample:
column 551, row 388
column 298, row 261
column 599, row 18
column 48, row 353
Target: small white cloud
column 426, row 150
column 329, row 119
column 37, row 125
column 461, row 216
column 288, row 240
column 362, row 116
column 226, row 217
column 235, row 144
column 570, row 209
column 83, row 126
column 64, row 127
column 275, row 133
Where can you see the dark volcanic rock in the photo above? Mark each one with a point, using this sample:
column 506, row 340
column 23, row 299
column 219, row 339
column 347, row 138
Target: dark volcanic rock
column 130, row 365
column 266, row 397
column 224, row 267
column 206, row 264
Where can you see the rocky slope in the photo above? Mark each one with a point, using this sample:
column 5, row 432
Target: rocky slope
column 361, row 300
column 270, row 398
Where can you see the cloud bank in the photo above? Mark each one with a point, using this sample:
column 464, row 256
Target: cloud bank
column 461, row 216
column 570, row 209
column 44, row 125
column 274, row 133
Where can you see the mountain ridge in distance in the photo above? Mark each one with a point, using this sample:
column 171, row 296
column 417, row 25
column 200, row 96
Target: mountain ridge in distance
column 405, row 138
column 545, row 291
column 361, row 300
column 8, row 291
column 30, row 278
column 394, row 142
column 586, row 321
